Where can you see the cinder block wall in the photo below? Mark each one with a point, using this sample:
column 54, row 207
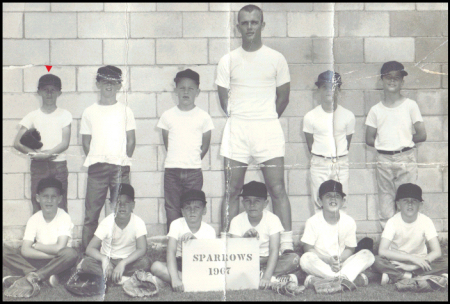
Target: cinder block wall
column 152, row 41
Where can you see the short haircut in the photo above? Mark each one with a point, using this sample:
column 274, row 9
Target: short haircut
column 250, row 8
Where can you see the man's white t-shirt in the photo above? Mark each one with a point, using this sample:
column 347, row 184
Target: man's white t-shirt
column 107, row 124
column 330, row 240
column 179, row 227
column 39, row 230
column 118, row 243
column 409, row 238
column 186, row 130
column 330, row 130
column 395, row 126
column 50, row 127
column 269, row 225
column 252, row 78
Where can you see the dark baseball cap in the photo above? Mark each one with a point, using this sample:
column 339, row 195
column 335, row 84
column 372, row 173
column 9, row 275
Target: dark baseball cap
column 329, row 77
column 393, row 66
column 254, row 188
column 109, row 72
column 331, row 186
column 409, row 191
column 188, row 73
column 49, row 182
column 126, row 189
column 193, row 195
column 49, row 79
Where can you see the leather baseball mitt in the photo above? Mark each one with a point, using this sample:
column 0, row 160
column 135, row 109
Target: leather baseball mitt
column 426, row 283
column 86, row 284
column 141, row 284
column 329, row 286
column 25, row 287
column 290, row 289
column 32, row 139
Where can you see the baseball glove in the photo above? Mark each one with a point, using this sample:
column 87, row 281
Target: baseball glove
column 25, row 287
column 32, row 139
column 327, row 286
column 422, row 284
column 86, row 284
column 290, row 289
column 141, row 284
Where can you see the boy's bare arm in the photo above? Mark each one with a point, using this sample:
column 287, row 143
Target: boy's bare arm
column 348, row 251
column 86, row 142
column 434, row 248
column 371, row 134
column 349, row 140
column 54, row 248
column 131, row 142
column 64, row 143
column 206, row 140
column 165, row 136
column 282, row 98
column 141, row 250
column 421, row 132
column 309, row 140
column 29, row 252
column 324, row 258
column 394, row 255
column 177, row 284
column 274, row 247
column 223, row 97
column 18, row 146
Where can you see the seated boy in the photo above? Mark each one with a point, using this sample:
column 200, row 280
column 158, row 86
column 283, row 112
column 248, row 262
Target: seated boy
column 119, row 245
column 403, row 252
column 258, row 222
column 190, row 226
column 330, row 241
column 46, row 249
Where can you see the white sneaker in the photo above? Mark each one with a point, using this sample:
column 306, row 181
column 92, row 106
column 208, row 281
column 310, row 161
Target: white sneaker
column 284, row 279
column 385, row 279
column 123, row 280
column 361, row 280
column 309, row 281
column 53, row 280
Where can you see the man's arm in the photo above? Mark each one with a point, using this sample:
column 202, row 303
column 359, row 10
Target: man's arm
column 86, row 142
column 177, row 284
column 324, row 258
column 165, row 135
column 131, row 142
column 309, row 140
column 141, row 250
column 206, row 139
column 282, row 98
column 349, row 140
column 223, row 97
column 274, row 247
column 29, row 252
column 53, row 248
column 421, row 132
column 371, row 134
column 18, row 146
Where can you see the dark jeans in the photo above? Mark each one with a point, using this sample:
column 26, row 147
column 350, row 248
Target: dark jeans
column 64, row 260
column 91, row 265
column 43, row 169
column 101, row 176
column 176, row 182
column 287, row 263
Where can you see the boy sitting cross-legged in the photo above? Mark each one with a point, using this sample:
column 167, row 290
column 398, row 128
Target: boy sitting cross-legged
column 330, row 241
column 266, row 227
column 190, row 226
column 403, row 252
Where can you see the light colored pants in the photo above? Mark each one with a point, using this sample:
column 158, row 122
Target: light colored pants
column 351, row 268
column 323, row 169
column 393, row 171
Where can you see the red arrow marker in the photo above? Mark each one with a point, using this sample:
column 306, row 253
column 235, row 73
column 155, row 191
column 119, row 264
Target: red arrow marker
column 49, row 67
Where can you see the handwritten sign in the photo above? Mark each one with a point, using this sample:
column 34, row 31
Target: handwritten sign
column 220, row 264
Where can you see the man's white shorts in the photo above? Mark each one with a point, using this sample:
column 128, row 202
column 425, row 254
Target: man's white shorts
column 246, row 138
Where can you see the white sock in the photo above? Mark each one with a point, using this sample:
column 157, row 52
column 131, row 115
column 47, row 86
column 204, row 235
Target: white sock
column 286, row 241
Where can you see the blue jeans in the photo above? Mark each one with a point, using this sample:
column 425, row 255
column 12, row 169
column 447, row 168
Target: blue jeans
column 101, row 176
column 43, row 169
column 176, row 182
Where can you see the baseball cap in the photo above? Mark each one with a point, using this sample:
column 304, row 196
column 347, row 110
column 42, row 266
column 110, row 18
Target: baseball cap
column 49, row 79
column 109, row 72
column 49, row 182
column 254, row 188
column 409, row 191
column 393, row 66
column 126, row 189
column 188, row 73
column 330, row 186
column 193, row 195
column 329, row 77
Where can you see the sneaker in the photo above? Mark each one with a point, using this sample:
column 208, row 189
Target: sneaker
column 310, row 280
column 53, row 280
column 33, row 277
column 284, row 279
column 385, row 279
column 9, row 280
column 361, row 280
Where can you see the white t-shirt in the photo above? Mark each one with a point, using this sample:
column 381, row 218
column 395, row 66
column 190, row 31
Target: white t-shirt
column 330, row 130
column 252, row 78
column 108, row 126
column 49, row 126
column 330, row 240
column 269, row 225
column 179, row 227
column 394, row 125
column 118, row 243
column 409, row 238
column 186, row 129
column 47, row 233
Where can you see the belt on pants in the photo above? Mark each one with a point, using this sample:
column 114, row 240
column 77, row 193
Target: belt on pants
column 394, row 152
column 329, row 157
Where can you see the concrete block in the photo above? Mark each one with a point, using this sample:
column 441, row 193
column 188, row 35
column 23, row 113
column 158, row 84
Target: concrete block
column 213, row 183
column 216, row 159
column 143, row 105
column 208, row 24
column 430, row 179
column 216, row 135
column 168, row 100
column 300, row 208
column 28, row 7
column 13, row 186
column 444, row 17
column 12, row 81
column 349, row 6
column 215, row 110
column 206, row 161
column 300, row 103
column 438, row 225
column 431, row 49
column 445, row 78
column 129, row 51
column 156, row 230
column 352, row 100
column 75, row 159
column 31, row 78
column 167, row 7
column 76, row 103
column 432, row 6
column 13, row 233
column 182, row 51
column 14, row 161
column 434, row 126
column 296, row 156
column 82, row 184
column 147, row 133
column 295, row 50
column 23, row 52
column 148, row 184
column 432, row 102
column 86, row 79
column 153, row 79
column 311, row 24
column 294, row 7
column 102, row 25
column 216, row 205
column 384, row 49
column 422, row 77
column 298, row 182
column 217, row 48
column 145, row 158
column 130, row 7
column 390, row 6
column 162, row 153
column 51, row 25
column 147, row 209
column 324, row 7
column 445, row 128
column 21, row 209
column 348, row 50
column 360, row 131
column 433, row 153
column 362, row 181
column 303, row 77
column 435, row 205
column 368, row 227
column 323, row 50
column 445, row 225
column 363, row 24
column 152, row 25
column 372, row 207
column 10, row 129
column 296, row 130
column 405, row 24
column 76, row 210
column 12, row 25
column 360, row 76
column 76, row 7
column 73, row 52
column 357, row 155
column 356, row 207
column 18, row 105
column 229, row 7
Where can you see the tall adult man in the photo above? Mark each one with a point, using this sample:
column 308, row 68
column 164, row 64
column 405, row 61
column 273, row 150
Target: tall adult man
column 253, row 85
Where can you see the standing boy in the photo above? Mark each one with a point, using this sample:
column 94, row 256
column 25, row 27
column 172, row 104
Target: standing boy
column 330, row 241
column 390, row 124
column 186, row 131
column 328, row 130
column 403, row 247
column 107, row 129
column 54, row 126
column 46, row 249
